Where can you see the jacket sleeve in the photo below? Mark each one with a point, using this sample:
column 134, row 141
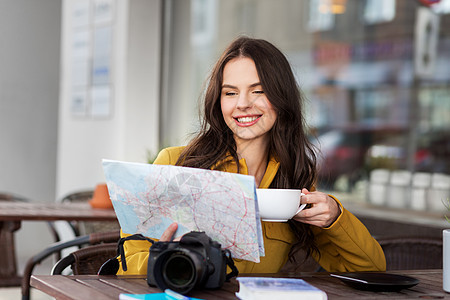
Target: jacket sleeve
column 136, row 254
column 347, row 246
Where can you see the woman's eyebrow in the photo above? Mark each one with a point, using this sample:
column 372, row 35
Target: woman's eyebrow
column 255, row 84
column 235, row 87
column 229, row 86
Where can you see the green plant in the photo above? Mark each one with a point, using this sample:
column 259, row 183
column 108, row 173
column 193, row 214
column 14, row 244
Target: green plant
column 151, row 156
column 447, row 206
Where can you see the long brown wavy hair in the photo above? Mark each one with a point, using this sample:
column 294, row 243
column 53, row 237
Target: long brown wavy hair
column 288, row 140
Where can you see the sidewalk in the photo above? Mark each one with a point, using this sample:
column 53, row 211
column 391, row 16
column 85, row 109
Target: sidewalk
column 15, row 293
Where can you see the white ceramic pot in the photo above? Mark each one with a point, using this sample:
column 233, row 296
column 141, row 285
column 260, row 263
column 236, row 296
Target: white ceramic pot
column 446, row 259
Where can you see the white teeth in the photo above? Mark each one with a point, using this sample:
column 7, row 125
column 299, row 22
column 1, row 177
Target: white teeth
column 246, row 119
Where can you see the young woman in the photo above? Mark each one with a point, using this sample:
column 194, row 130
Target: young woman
column 253, row 124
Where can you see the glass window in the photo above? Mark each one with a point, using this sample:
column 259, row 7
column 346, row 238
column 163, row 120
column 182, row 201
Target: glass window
column 354, row 61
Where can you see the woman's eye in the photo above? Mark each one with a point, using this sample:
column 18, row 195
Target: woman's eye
column 258, row 92
column 230, row 93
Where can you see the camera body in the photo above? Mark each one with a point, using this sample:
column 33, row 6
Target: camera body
column 195, row 261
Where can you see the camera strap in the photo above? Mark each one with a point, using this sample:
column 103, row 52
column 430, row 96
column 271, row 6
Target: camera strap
column 234, row 271
column 121, row 251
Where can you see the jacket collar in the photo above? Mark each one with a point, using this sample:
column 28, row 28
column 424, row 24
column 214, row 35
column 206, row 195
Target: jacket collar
column 228, row 165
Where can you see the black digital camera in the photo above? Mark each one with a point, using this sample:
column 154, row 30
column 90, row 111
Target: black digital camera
column 195, row 261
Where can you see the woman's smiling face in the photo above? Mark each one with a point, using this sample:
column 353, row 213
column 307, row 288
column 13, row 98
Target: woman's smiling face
column 245, row 107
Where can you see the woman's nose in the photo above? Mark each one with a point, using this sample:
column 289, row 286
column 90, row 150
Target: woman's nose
column 244, row 101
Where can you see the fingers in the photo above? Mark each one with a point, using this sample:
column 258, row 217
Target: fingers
column 169, row 232
column 303, row 198
column 323, row 210
column 310, row 198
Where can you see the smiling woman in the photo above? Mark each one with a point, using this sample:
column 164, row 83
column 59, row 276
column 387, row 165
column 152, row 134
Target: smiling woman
column 253, row 124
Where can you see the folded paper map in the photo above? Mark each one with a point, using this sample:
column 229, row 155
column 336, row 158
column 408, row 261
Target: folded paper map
column 148, row 198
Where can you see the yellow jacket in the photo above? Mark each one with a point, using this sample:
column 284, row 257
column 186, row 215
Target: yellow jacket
column 345, row 246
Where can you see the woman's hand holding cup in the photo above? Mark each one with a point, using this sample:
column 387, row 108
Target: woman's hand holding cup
column 322, row 212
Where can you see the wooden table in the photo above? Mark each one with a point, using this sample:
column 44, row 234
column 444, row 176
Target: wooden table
column 109, row 287
column 13, row 213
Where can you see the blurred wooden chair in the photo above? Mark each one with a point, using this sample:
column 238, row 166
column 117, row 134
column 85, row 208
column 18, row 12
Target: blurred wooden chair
column 412, row 253
column 8, row 268
column 56, row 227
column 82, row 227
column 77, row 228
column 84, row 261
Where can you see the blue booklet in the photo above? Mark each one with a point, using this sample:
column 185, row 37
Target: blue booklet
column 262, row 288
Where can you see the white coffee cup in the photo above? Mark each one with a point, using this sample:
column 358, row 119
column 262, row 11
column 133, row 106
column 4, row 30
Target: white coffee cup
column 279, row 205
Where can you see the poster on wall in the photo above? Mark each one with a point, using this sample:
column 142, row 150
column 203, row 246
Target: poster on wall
column 101, row 60
column 80, row 73
column 81, row 13
column 91, row 58
column 79, row 105
column 101, row 101
column 103, row 11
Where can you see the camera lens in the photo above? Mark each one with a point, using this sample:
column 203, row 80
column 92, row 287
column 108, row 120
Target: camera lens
column 179, row 271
